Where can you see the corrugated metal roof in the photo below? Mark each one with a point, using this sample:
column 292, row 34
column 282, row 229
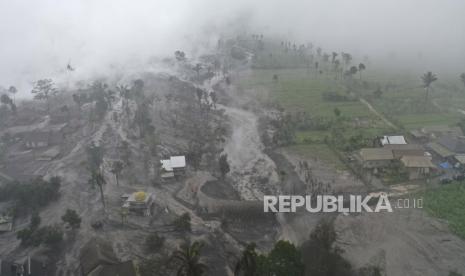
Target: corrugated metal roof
column 371, row 154
column 440, row 150
column 175, row 162
column 393, row 140
column 417, row 162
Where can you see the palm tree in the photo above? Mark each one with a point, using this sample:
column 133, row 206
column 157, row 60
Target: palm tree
column 247, row 265
column 334, row 54
column 116, row 169
column 94, row 164
column 97, row 179
column 428, row 78
column 13, row 91
column 197, row 69
column 188, row 257
column 337, row 63
column 462, row 78
column 361, row 67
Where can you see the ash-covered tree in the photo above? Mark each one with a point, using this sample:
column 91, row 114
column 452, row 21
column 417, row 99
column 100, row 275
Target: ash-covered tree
column 142, row 119
column 346, row 58
column 378, row 92
column 197, row 69
column 12, row 90
column 72, row 218
column 43, row 90
column 428, row 78
column 321, row 257
column 180, row 55
column 188, row 259
column 353, row 70
column 361, row 67
column 183, row 223
column 6, row 100
column 116, row 169
column 52, row 235
column 224, row 165
column 100, row 96
column 154, row 242
column 283, row 260
column 214, row 98
column 462, row 78
column 94, row 162
column 247, row 264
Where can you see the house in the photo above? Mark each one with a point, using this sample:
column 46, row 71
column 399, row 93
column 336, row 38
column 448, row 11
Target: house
column 460, row 158
column 8, row 268
column 374, row 158
column 440, row 130
column 455, row 144
column 97, row 258
column 419, row 135
column 417, row 166
column 41, row 139
column 140, row 203
column 440, row 150
column 175, row 166
column 37, row 139
column 35, row 266
column 6, row 224
column 400, row 150
column 49, row 154
column 393, row 140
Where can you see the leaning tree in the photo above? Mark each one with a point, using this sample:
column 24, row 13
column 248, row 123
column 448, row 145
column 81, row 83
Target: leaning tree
column 428, row 78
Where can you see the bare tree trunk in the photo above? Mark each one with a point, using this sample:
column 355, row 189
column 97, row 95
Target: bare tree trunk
column 102, row 197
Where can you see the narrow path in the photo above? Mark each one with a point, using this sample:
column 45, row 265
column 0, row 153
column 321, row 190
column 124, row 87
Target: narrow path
column 379, row 115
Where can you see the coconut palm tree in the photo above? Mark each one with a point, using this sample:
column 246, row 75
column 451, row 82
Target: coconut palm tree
column 188, row 257
column 361, row 67
column 94, row 165
column 334, row 55
column 247, row 265
column 428, row 78
column 13, row 91
column 116, row 169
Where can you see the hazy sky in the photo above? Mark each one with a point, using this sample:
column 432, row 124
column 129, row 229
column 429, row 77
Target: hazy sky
column 39, row 37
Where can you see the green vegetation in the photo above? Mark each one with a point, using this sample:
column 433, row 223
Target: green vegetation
column 50, row 235
column 224, row 165
column 188, row 257
column 154, row 242
column 317, row 256
column 72, row 218
column 321, row 150
column 447, row 203
column 183, row 223
column 31, row 195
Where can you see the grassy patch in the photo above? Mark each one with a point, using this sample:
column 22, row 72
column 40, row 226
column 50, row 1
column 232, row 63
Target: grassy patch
column 320, row 151
column 448, row 202
column 297, row 90
column 311, row 136
column 413, row 121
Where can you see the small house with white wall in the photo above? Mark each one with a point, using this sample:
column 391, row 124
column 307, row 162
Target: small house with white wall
column 175, row 166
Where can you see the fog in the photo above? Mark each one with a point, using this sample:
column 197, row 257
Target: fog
column 99, row 38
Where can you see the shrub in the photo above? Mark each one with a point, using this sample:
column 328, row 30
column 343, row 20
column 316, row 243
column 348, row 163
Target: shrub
column 72, row 218
column 183, row 223
column 154, row 242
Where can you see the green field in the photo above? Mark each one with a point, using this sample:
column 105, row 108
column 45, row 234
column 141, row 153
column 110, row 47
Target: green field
column 404, row 99
column 321, row 151
column 448, row 202
column 297, row 90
